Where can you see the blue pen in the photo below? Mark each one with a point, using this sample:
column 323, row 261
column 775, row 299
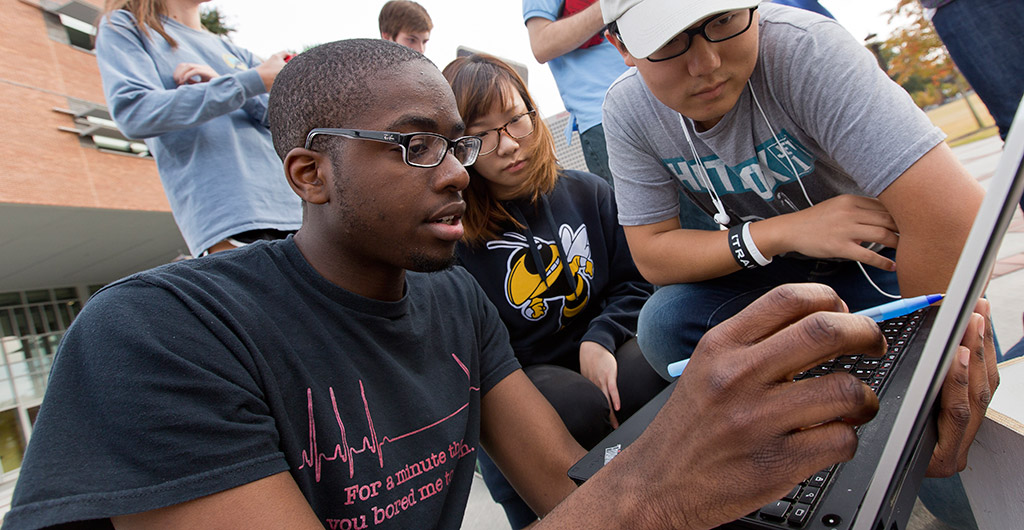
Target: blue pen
column 898, row 308
column 676, row 368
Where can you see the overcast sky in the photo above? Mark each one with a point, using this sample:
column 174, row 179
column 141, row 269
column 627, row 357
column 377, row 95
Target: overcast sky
column 493, row 26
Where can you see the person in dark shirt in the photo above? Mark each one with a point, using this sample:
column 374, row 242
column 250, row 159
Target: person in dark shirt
column 547, row 248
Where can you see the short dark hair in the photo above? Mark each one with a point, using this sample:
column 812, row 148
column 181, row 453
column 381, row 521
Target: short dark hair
column 613, row 28
column 327, row 86
column 403, row 15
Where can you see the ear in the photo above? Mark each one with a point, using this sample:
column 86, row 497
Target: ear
column 306, row 172
column 626, row 57
column 387, row 36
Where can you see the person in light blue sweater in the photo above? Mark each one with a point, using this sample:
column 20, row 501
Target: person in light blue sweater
column 200, row 103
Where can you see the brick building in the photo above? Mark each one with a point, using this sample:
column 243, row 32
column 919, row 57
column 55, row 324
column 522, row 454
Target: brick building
column 80, row 205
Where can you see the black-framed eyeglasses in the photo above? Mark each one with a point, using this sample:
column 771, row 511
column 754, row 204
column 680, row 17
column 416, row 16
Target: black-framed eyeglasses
column 520, row 126
column 419, row 149
column 720, row 28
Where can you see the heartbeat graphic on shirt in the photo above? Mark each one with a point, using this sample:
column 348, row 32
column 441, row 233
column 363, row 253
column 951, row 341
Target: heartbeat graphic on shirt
column 374, row 444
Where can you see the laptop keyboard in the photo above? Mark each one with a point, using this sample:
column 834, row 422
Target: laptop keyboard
column 795, row 509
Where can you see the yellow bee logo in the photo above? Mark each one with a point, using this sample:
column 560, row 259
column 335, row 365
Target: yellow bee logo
column 532, row 287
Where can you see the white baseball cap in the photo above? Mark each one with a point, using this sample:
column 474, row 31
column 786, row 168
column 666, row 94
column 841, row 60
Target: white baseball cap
column 646, row 25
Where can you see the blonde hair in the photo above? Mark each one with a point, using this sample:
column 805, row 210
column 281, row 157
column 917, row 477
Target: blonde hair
column 147, row 16
column 479, row 82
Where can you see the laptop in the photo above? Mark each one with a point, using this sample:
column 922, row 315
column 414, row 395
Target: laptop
column 877, row 488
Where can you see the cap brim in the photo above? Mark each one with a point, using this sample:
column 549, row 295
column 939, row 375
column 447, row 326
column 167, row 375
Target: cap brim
column 648, row 25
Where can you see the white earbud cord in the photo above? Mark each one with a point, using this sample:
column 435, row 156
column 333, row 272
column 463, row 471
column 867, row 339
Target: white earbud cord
column 722, row 217
column 796, row 174
column 778, row 144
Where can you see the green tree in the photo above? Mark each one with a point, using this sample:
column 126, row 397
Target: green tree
column 213, row 21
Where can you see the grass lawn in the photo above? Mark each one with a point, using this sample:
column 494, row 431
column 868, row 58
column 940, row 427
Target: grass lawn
column 955, row 119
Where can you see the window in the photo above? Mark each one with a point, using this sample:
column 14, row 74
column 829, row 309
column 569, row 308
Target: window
column 77, row 20
column 95, row 128
column 80, row 34
column 12, row 440
column 32, row 324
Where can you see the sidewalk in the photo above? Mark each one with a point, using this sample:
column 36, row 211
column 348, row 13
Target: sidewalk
column 1006, row 289
column 1006, row 292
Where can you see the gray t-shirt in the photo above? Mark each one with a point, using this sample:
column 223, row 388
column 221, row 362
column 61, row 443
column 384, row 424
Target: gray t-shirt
column 848, row 129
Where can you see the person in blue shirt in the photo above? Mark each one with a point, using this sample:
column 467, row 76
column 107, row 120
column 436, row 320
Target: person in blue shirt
column 200, row 104
column 567, row 35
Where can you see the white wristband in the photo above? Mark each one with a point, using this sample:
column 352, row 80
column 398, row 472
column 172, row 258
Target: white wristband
column 752, row 248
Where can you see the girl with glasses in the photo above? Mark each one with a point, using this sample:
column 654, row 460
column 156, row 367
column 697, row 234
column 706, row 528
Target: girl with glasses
column 545, row 245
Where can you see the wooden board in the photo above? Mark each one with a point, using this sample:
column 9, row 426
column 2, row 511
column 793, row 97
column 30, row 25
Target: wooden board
column 994, row 477
column 1009, row 397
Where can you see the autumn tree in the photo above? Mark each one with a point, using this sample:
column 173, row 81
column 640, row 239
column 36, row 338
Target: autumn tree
column 917, row 59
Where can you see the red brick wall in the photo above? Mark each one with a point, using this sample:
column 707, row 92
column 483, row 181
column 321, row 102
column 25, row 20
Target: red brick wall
column 40, row 164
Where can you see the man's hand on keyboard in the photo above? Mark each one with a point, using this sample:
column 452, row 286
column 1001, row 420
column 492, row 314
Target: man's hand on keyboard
column 970, row 383
column 738, row 432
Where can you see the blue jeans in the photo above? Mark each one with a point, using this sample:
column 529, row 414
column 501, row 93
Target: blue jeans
column 676, row 316
column 946, row 499
column 1015, row 351
column 519, row 514
column 984, row 39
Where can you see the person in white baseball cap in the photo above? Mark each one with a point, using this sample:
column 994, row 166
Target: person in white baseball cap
column 782, row 128
column 647, row 25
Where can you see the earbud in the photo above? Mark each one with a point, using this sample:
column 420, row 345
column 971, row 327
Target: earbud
column 721, row 217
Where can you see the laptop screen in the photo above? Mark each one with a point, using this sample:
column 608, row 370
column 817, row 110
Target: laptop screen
column 967, row 285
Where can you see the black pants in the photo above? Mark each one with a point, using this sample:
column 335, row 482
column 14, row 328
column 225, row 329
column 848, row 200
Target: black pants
column 584, row 410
